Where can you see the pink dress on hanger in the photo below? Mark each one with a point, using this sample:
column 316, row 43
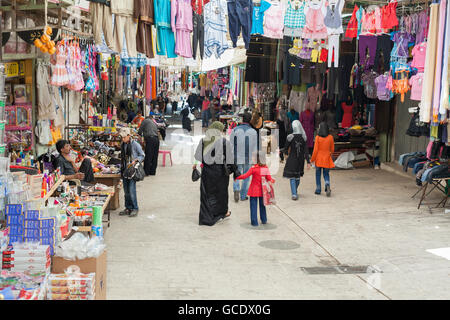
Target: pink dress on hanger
column 60, row 76
column 274, row 21
column 315, row 27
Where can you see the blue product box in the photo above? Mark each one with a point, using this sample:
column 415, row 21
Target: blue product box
column 13, row 239
column 16, row 230
column 47, row 233
column 15, row 220
column 49, row 241
column 47, row 223
column 32, row 215
column 97, row 231
column 13, row 209
column 31, row 224
column 31, row 239
column 34, row 233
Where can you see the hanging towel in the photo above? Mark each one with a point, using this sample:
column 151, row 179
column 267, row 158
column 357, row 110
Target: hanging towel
column 430, row 65
column 440, row 47
column 444, row 101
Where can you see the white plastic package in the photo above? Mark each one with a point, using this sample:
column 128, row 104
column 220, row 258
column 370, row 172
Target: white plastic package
column 80, row 247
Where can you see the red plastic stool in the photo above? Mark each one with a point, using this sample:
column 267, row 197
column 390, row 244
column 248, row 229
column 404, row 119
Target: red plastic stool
column 164, row 153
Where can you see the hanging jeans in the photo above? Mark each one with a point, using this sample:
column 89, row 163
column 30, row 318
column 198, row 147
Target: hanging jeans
column 129, row 189
column 206, row 116
column 254, row 211
column 198, row 35
column 243, row 188
column 151, row 155
column 367, row 43
column 240, row 17
column 101, row 18
column 294, row 185
column 124, row 26
column 326, row 177
column 371, row 114
column 333, row 43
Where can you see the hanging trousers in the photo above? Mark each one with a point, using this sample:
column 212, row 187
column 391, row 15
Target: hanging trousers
column 384, row 46
column 333, row 43
column 101, row 18
column 151, row 155
column 240, row 18
column 198, row 35
column 125, row 26
column 367, row 43
column 144, row 39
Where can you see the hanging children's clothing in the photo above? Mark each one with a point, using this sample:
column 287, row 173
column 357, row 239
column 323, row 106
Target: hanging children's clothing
column 333, row 17
column 215, row 28
column 165, row 39
column 333, row 48
column 416, row 83
column 419, row 54
column 239, row 18
column 60, row 76
column 313, row 98
column 258, row 16
column 181, row 22
column 273, row 20
column 347, row 118
column 352, row 27
column 307, row 119
column 76, row 82
column 314, row 26
column 383, row 93
column 294, row 19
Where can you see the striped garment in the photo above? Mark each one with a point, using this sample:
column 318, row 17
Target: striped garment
column 295, row 19
column 215, row 28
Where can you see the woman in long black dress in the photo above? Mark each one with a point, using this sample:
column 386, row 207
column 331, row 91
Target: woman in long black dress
column 213, row 152
column 185, row 120
column 298, row 152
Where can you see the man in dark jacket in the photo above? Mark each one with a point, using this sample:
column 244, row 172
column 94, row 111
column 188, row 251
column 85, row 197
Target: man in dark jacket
column 149, row 131
column 244, row 141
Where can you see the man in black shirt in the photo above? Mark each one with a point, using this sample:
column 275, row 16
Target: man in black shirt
column 68, row 167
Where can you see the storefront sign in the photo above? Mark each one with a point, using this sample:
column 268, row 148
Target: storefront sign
column 14, row 69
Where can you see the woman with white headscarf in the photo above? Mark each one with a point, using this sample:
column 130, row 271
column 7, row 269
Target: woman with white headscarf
column 297, row 151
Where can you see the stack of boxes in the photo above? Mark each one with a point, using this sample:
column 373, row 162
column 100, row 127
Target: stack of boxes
column 30, row 227
column 71, row 286
column 26, row 257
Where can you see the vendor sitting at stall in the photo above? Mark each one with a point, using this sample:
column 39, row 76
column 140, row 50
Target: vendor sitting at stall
column 138, row 119
column 68, row 167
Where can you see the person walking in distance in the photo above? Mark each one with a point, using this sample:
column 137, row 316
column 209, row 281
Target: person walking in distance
column 149, row 131
column 297, row 152
column 323, row 148
column 255, row 192
column 131, row 152
column 244, row 141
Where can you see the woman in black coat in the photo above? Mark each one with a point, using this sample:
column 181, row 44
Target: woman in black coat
column 298, row 152
column 214, row 177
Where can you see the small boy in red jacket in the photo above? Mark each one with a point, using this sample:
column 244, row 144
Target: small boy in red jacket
column 255, row 191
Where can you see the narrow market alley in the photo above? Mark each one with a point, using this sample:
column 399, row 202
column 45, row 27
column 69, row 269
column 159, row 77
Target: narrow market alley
column 367, row 223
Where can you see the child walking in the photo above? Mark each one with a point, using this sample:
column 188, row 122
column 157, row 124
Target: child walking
column 323, row 148
column 255, row 191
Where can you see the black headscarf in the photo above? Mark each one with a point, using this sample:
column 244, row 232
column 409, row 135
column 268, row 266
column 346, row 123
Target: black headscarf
column 323, row 130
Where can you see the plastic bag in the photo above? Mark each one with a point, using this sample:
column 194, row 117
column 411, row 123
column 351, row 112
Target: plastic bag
column 268, row 192
column 80, row 247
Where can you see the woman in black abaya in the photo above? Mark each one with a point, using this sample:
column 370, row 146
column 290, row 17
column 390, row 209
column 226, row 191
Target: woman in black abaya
column 213, row 152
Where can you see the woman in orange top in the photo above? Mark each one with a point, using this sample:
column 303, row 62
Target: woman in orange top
column 323, row 148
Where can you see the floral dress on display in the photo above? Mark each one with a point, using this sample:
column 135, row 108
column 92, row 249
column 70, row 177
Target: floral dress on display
column 60, row 76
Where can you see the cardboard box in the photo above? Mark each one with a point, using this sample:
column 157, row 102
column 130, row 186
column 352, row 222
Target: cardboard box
column 359, row 164
column 97, row 265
